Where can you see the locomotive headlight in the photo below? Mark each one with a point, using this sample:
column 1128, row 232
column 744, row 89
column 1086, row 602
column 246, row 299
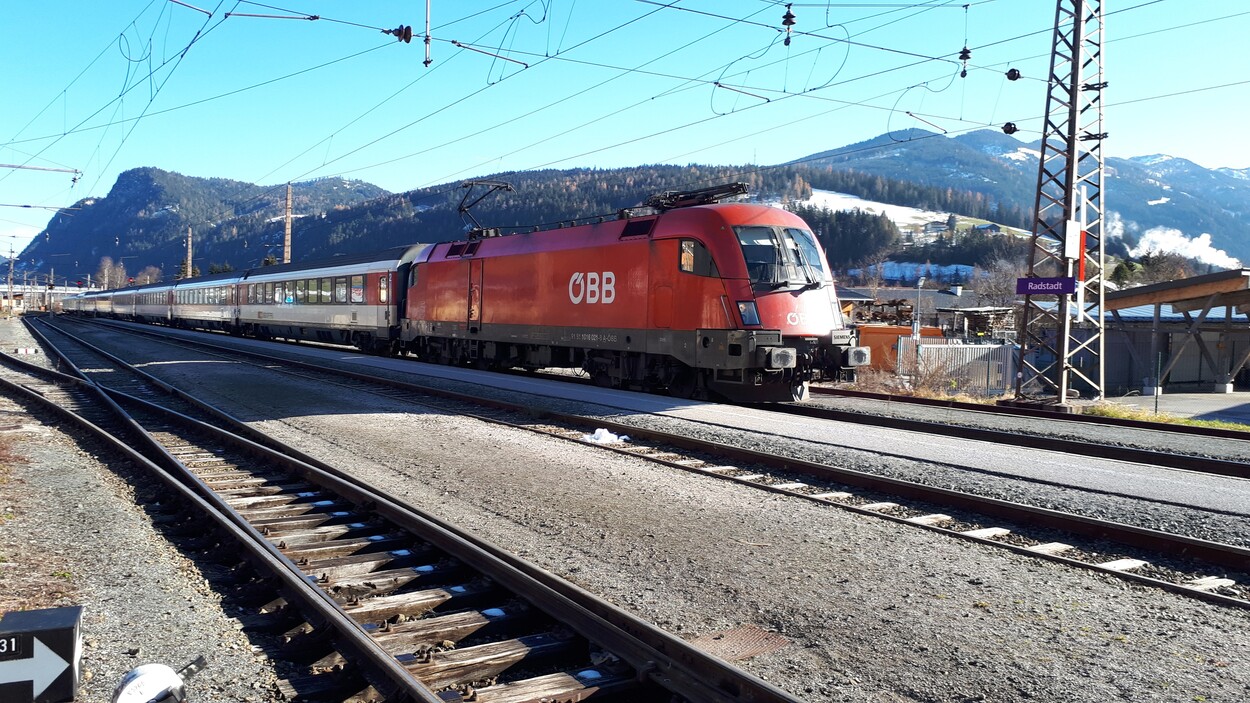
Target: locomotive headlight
column 750, row 315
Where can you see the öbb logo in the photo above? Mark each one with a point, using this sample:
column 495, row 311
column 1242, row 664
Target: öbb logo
column 592, row 287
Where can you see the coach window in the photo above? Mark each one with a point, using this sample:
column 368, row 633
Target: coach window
column 358, row 289
column 327, row 290
column 340, row 290
column 696, row 259
column 301, row 294
column 383, row 281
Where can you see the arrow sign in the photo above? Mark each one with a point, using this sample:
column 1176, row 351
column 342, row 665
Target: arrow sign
column 40, row 655
column 41, row 668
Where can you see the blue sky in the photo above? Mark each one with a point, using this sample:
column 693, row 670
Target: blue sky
column 103, row 87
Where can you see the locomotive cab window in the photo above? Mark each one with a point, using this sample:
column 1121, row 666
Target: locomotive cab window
column 807, row 249
column 781, row 257
column 696, row 259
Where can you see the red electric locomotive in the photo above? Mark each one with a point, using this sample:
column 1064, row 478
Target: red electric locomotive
column 689, row 295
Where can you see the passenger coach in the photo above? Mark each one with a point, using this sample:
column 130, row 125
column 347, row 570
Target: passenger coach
column 352, row 300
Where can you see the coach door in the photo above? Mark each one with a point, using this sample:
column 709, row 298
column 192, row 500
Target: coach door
column 475, row 293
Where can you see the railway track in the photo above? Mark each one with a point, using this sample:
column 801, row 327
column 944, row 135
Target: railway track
column 1232, row 442
column 386, row 603
column 1008, row 409
column 1181, row 564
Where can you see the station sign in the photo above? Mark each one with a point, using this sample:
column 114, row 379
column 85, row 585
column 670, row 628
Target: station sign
column 40, row 655
column 1064, row 285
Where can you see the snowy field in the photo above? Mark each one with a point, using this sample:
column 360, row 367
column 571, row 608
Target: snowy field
column 901, row 216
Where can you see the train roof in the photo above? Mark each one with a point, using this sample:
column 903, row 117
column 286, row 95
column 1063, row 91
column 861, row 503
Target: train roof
column 400, row 255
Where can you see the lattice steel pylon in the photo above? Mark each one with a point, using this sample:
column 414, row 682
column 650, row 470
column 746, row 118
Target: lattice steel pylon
column 1061, row 341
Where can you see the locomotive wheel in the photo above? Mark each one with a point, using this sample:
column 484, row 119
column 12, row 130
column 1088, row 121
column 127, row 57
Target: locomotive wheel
column 684, row 384
column 602, row 378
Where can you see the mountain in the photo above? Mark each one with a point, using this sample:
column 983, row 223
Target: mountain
column 985, row 174
column 143, row 221
column 1140, row 194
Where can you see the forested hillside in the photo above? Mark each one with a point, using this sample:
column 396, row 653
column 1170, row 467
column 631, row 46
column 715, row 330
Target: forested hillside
column 143, row 221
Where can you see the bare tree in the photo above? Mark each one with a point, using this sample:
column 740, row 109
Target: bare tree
column 149, row 274
column 996, row 285
column 874, row 270
column 111, row 274
column 1162, row 266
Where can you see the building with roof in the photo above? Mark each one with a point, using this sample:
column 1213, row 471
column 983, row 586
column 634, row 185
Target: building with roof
column 1188, row 334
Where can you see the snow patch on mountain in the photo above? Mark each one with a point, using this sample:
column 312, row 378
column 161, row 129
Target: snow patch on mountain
column 901, row 216
column 1023, row 154
column 1160, row 201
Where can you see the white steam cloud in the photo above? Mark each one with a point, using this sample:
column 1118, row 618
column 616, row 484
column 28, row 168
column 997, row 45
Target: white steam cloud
column 1173, row 241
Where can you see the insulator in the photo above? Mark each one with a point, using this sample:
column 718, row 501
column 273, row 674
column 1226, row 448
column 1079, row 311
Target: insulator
column 1010, row 128
column 963, row 73
column 402, row 33
column 1013, row 74
column 966, row 54
column 787, row 20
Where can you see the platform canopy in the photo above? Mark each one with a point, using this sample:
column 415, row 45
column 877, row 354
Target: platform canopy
column 1204, row 304
column 1214, row 290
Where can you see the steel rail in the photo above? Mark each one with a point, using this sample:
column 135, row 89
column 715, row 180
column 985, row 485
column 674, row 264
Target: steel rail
column 1186, row 462
column 1224, row 555
column 176, row 477
column 1028, row 411
column 659, row 656
column 498, row 564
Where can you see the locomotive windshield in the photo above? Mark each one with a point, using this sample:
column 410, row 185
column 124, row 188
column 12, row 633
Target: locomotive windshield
column 781, row 257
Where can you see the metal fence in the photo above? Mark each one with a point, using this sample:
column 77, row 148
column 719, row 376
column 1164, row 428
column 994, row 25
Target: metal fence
column 952, row 366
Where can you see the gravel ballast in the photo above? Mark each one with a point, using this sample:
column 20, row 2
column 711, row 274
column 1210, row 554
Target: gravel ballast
column 72, row 534
column 873, row 611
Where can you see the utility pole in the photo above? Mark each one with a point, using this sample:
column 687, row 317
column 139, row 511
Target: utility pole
column 188, row 251
column 10, row 298
column 286, row 240
column 1067, row 243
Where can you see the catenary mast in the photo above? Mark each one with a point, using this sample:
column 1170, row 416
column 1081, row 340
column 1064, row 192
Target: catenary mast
column 1061, row 341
